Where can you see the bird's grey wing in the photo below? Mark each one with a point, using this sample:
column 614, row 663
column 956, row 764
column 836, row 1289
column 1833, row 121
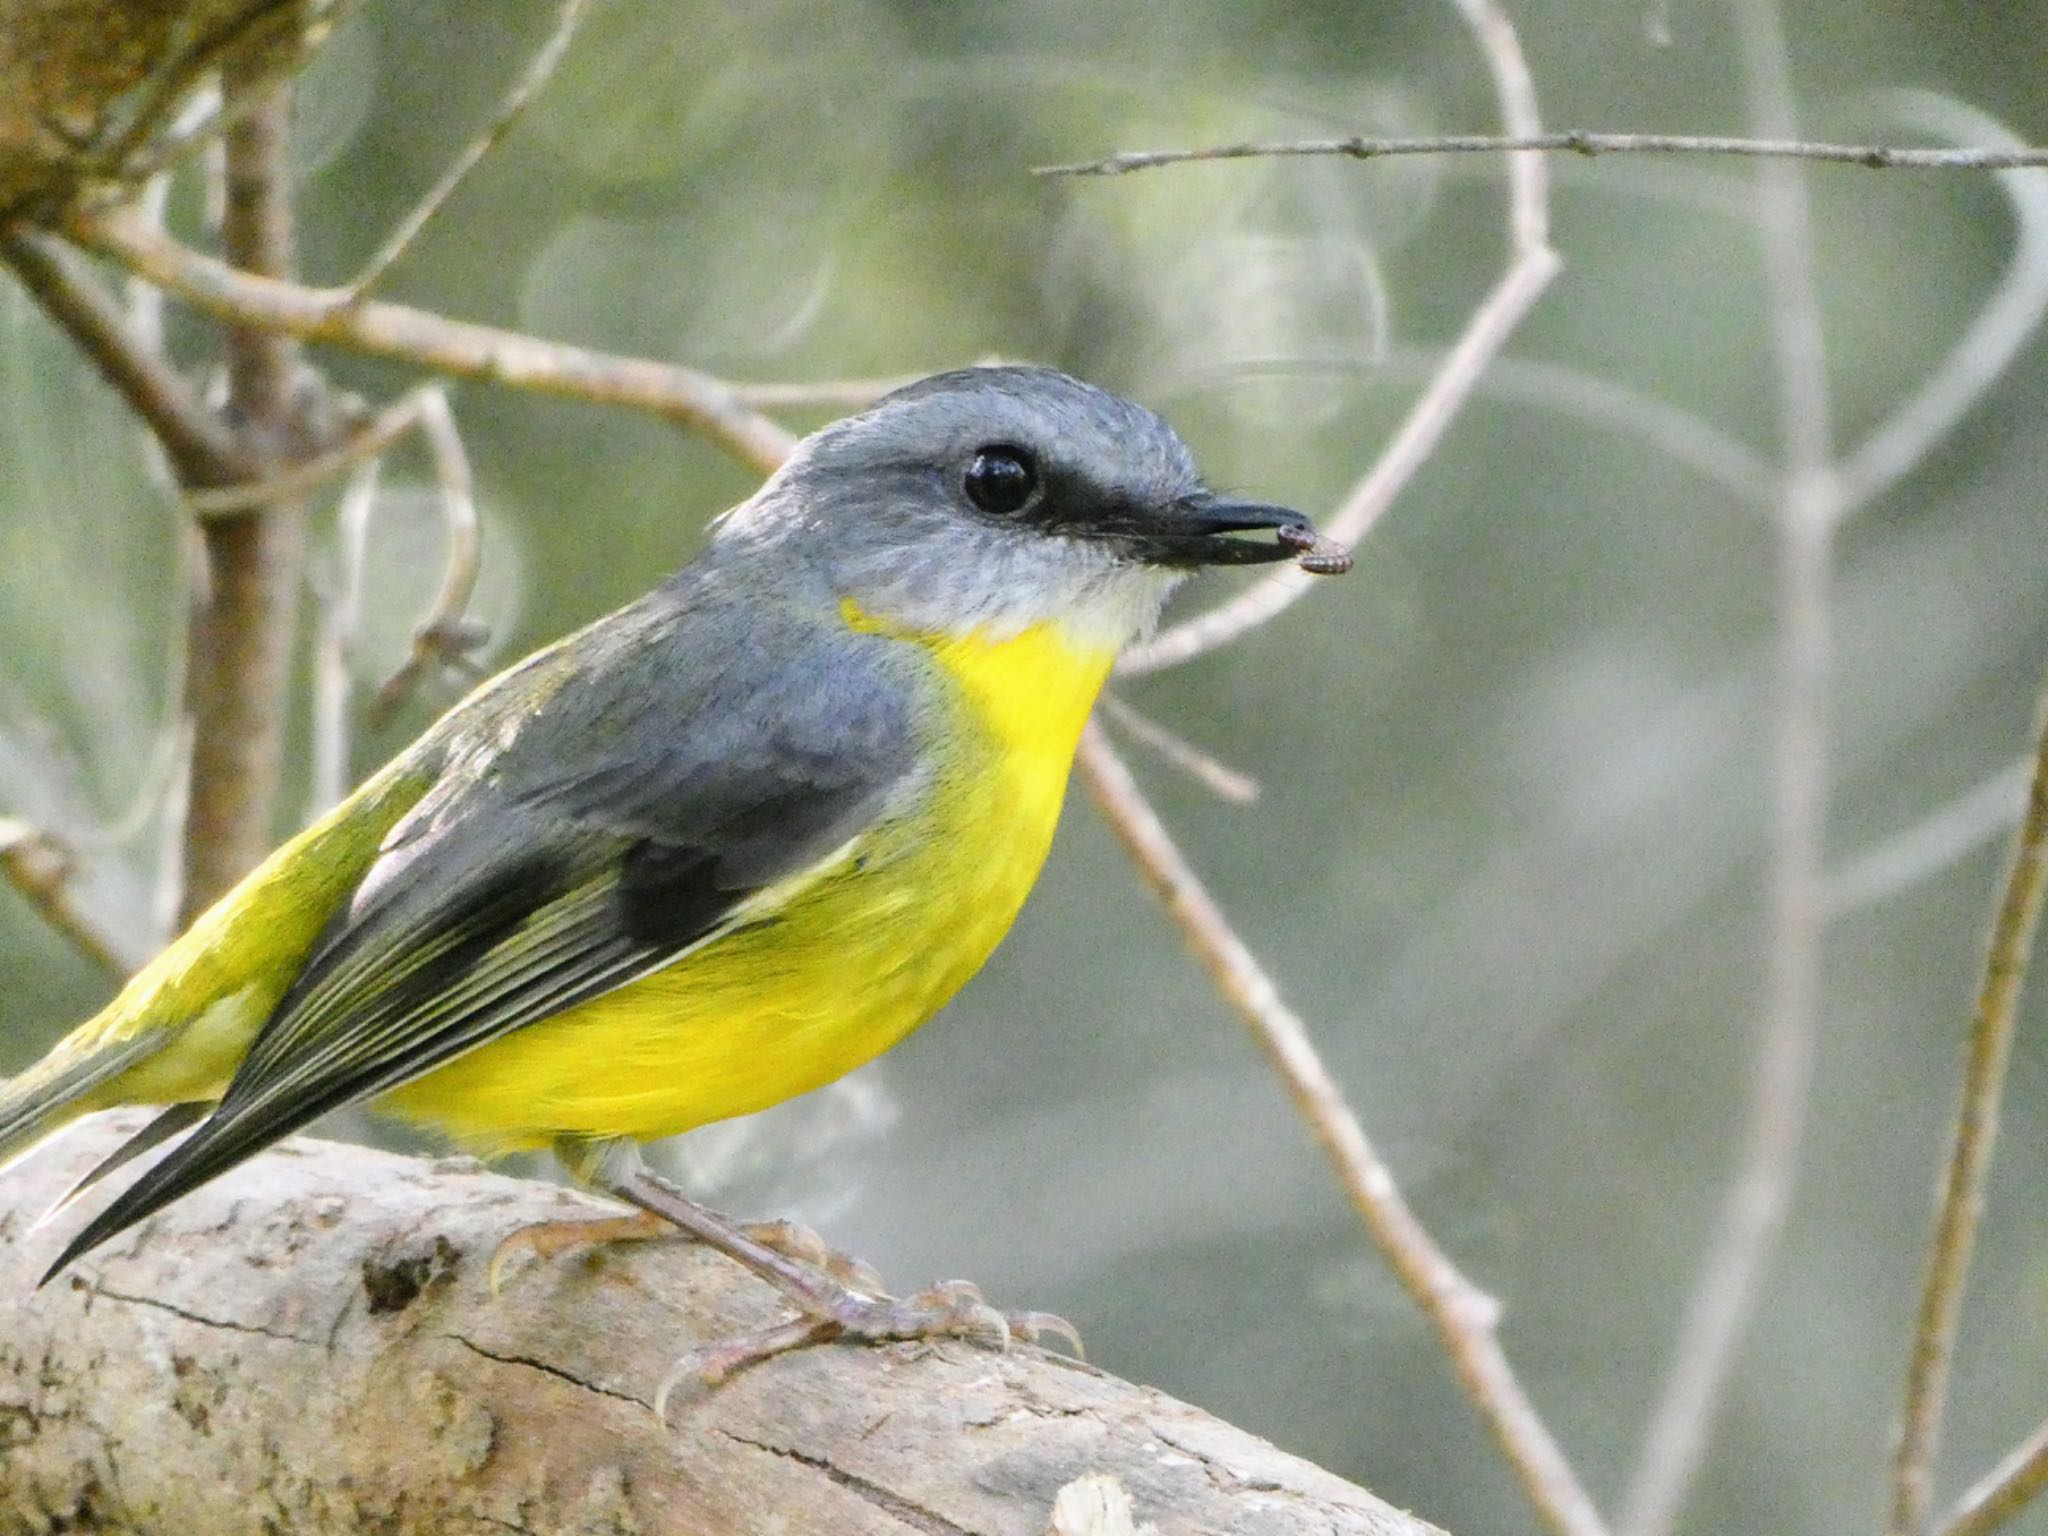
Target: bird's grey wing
column 625, row 819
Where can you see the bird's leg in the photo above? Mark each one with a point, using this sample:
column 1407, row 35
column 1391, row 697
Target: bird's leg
column 832, row 1307
column 545, row 1240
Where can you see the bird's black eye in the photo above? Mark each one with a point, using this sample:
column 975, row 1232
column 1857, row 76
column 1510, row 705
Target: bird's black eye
column 1002, row 479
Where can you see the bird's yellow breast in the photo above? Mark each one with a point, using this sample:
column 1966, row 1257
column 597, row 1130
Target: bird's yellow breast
column 846, row 960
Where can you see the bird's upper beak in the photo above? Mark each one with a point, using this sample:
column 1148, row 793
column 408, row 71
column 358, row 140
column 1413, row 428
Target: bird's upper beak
column 1200, row 529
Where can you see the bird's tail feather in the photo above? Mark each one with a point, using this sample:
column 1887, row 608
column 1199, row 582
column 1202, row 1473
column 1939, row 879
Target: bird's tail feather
column 173, row 1120
column 59, row 1088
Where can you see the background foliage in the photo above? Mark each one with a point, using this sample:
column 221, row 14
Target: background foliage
column 1508, row 860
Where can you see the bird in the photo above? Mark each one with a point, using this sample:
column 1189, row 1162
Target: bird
column 709, row 852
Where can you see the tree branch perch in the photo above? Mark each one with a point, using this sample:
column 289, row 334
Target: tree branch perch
column 308, row 1344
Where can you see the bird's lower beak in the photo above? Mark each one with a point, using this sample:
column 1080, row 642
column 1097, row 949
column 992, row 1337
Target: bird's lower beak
column 1201, row 530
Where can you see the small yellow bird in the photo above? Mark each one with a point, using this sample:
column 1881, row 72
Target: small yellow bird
column 714, row 850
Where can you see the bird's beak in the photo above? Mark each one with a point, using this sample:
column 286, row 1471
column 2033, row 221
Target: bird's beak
column 1200, row 529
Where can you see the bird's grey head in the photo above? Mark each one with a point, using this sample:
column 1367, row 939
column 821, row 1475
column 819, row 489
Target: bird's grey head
column 999, row 498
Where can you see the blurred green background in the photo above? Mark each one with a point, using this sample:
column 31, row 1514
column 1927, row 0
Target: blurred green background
column 1511, row 854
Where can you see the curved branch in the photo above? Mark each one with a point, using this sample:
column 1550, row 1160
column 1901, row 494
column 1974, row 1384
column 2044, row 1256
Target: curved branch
column 459, row 348
column 311, row 1337
column 1465, row 1318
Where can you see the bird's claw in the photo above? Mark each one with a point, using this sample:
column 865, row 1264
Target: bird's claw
column 700, row 1370
column 952, row 1309
column 545, row 1240
column 794, row 1240
column 1035, row 1327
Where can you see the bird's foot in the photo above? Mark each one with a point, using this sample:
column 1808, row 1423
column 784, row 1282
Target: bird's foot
column 836, row 1297
column 952, row 1309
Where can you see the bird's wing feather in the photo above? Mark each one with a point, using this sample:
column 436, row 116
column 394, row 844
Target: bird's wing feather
column 590, row 836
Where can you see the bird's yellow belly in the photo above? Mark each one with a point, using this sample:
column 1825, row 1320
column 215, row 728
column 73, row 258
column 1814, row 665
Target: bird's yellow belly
column 836, row 978
column 852, row 963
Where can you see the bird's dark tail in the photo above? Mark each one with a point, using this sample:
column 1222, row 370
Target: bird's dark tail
column 177, row 1118
column 222, row 1140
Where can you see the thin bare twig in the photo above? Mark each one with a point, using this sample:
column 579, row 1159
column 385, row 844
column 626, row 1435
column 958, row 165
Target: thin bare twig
column 1752, row 1219
column 684, row 396
column 241, row 631
column 201, row 448
column 1657, row 424
column 366, row 440
column 539, row 70
column 1573, row 141
column 1670, row 430
column 1969, row 1161
column 444, row 636
column 1225, row 782
column 1999, row 331
column 1529, row 272
column 340, row 597
column 1932, row 844
column 2005, row 1490
column 143, row 308
column 1464, row 1317
column 39, row 866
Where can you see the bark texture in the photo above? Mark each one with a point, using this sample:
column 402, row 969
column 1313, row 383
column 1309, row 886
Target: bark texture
column 309, row 1346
